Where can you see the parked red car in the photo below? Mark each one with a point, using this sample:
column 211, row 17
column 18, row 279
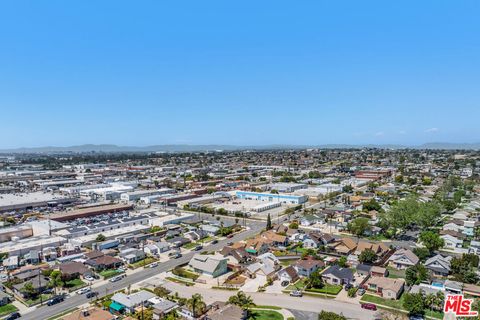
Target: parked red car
column 369, row 306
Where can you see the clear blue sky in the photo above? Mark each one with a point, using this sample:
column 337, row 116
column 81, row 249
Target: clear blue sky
column 239, row 72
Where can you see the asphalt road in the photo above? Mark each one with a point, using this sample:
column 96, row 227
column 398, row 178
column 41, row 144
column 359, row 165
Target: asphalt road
column 306, row 305
column 45, row 312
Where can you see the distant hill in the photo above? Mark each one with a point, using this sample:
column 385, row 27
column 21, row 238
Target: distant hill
column 111, row 148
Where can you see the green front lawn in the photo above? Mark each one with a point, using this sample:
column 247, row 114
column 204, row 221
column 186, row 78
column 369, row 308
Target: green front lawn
column 265, row 315
column 299, row 285
column 75, row 283
column 327, row 289
column 268, row 307
column 143, row 262
column 189, row 246
column 7, row 309
column 181, row 272
column 106, row 274
column 44, row 299
column 396, row 304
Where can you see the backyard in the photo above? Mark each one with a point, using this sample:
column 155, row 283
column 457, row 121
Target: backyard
column 394, row 273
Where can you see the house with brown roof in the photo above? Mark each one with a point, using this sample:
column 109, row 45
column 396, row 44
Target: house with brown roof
column 73, row 270
column 308, row 266
column 378, row 247
column 288, row 274
column 274, row 239
column 223, row 311
column 343, row 246
column 388, row 288
column 104, row 263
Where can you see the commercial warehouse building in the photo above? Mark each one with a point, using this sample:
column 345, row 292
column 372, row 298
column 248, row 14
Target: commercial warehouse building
column 136, row 195
column 271, row 197
column 89, row 212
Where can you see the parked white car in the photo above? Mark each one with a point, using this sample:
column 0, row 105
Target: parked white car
column 84, row 290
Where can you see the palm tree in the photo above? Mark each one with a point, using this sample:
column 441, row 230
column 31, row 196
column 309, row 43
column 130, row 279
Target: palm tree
column 242, row 300
column 196, row 304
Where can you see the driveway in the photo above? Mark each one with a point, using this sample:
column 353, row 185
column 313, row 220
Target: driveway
column 251, row 285
column 276, row 287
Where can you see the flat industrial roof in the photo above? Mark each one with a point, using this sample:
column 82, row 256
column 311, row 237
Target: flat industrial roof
column 86, row 212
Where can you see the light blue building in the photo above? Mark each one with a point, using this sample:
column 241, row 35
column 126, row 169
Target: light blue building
column 271, row 197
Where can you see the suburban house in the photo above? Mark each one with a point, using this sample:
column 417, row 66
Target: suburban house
column 379, row 248
column 439, row 265
column 39, row 285
column 162, row 308
column 343, row 246
column 104, row 263
column 131, row 255
column 236, row 257
column 4, row 298
column 376, row 271
column 337, row 276
column 402, row 259
column 288, row 275
column 306, row 267
column 266, row 265
column 223, row 311
column 73, row 270
column 122, row 302
column 451, row 242
column 211, row 265
column 256, row 246
column 274, row 239
column 209, row 229
column 385, row 287
column 155, row 248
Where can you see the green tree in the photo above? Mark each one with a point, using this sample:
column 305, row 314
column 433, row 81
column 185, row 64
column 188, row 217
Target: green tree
column 342, row 262
column 367, row 256
column 359, row 226
column 464, row 268
column 29, row 290
column 100, row 238
column 293, row 225
column 56, row 279
column 269, row 222
column 399, row 179
column 416, row 274
column 196, row 305
column 422, row 253
column 242, row 300
column 414, row 303
column 428, row 214
column 145, row 314
column 371, row 204
column 431, row 240
column 315, row 280
column 347, row 188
